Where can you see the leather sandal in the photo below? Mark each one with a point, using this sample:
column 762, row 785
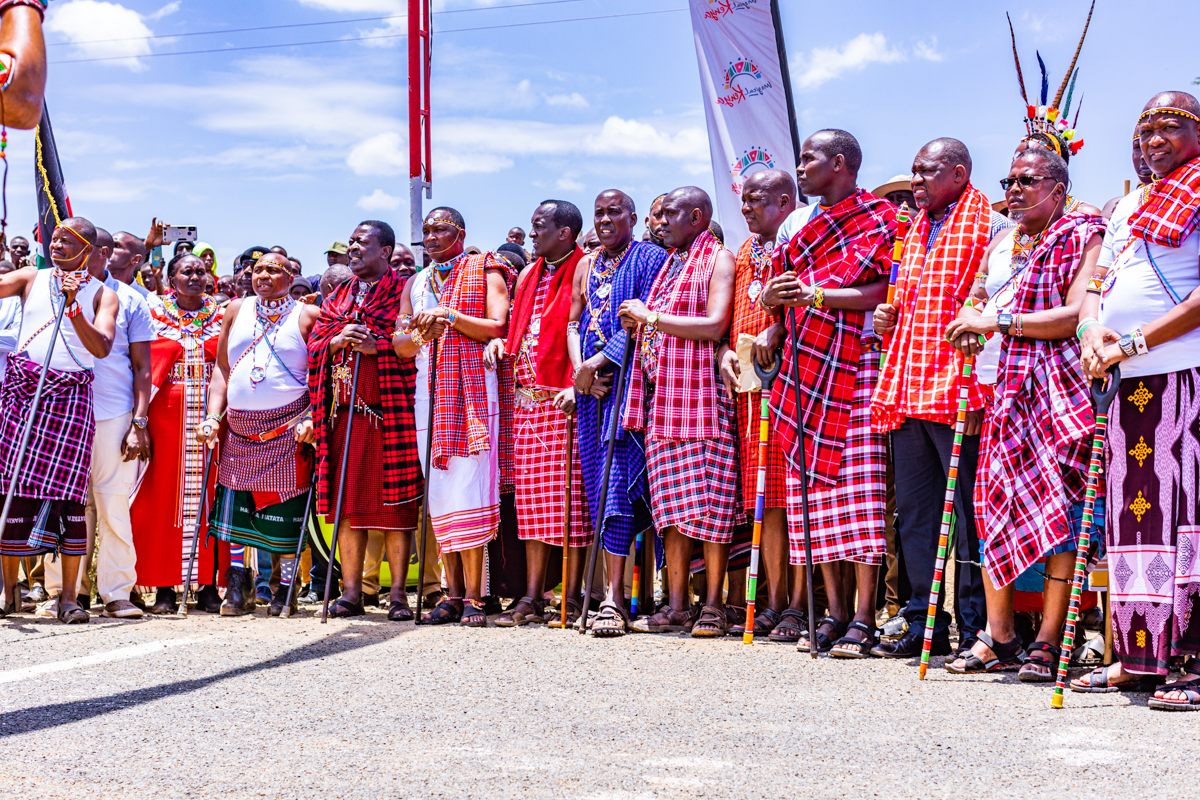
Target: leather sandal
column 665, row 620
column 446, row 612
column 612, row 620
column 1008, row 657
column 824, row 641
column 574, row 609
column 849, row 647
column 1040, row 654
column 473, row 615
column 524, row 611
column 342, row 608
column 790, row 619
column 398, row 611
column 711, row 623
column 764, row 622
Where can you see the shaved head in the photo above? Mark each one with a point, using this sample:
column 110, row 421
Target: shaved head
column 131, row 243
column 692, row 197
column 772, row 182
column 1181, row 100
column 836, row 142
column 83, row 227
column 687, row 213
column 950, row 152
column 616, row 194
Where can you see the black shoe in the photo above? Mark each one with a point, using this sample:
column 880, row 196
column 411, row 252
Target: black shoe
column 910, row 645
column 208, row 600
column 275, row 609
column 367, row 600
column 137, row 599
column 239, row 593
column 84, row 600
column 165, row 601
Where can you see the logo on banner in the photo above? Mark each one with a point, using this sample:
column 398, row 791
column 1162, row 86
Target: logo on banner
column 753, row 160
column 723, row 8
column 742, row 80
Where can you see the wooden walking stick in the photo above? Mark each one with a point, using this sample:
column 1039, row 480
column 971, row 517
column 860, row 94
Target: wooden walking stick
column 308, row 509
column 200, row 515
column 939, row 563
column 902, row 220
column 589, row 572
column 341, row 492
column 567, row 515
column 808, row 561
column 425, row 517
column 767, row 376
column 1102, row 398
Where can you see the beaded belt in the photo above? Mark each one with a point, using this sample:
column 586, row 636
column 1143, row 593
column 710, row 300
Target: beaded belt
column 291, row 424
column 529, row 398
column 181, row 372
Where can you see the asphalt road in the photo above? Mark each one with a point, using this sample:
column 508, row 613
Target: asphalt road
column 257, row 707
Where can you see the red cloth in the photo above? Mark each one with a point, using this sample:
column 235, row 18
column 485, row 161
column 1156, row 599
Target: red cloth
column 684, row 405
column 1172, row 209
column 402, row 477
column 846, row 245
column 541, row 450
column 922, row 373
column 553, row 362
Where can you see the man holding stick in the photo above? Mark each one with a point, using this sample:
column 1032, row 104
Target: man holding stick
column 834, row 267
column 538, row 349
column 383, row 478
column 47, row 482
column 676, row 396
column 260, row 387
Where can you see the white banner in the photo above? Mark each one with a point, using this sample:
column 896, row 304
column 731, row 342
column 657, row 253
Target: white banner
column 744, row 101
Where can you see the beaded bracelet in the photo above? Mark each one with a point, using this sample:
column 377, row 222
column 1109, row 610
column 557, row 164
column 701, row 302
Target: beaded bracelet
column 573, row 327
column 451, row 318
column 1139, row 342
column 818, row 297
column 973, row 304
column 417, row 339
column 37, row 5
column 1018, row 324
column 73, row 310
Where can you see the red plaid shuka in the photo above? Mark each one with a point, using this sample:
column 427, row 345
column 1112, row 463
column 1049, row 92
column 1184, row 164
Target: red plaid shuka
column 847, row 245
column 402, row 475
column 460, row 410
column 684, row 405
column 922, row 372
column 749, row 318
column 1033, row 464
column 1172, row 210
column 541, row 450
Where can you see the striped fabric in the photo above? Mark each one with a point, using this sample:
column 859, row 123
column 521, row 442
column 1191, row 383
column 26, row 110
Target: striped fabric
column 278, row 465
column 847, row 522
column 275, row 528
column 37, row 527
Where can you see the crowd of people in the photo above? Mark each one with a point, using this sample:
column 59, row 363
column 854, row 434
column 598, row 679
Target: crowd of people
column 603, row 393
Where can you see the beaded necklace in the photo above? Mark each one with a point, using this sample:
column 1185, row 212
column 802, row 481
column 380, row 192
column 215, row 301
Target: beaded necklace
column 761, row 259
column 600, row 275
column 56, row 279
column 441, row 272
column 190, row 323
column 270, row 314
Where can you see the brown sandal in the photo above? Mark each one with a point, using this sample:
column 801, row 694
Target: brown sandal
column 526, row 610
column 610, row 621
column 712, row 623
column 665, row 620
column 574, row 609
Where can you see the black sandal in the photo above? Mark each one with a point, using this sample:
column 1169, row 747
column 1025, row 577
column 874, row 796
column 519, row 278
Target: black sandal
column 1098, row 683
column 848, row 647
column 473, row 615
column 445, row 612
column 824, row 642
column 764, row 622
column 342, row 608
column 1009, row 656
column 801, row 620
column 1191, row 696
column 1040, row 654
column 398, row 611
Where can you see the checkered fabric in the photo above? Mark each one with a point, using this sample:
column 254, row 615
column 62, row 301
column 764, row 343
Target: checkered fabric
column 59, row 459
column 922, row 372
column 38, row 526
column 847, row 522
column 506, row 389
column 275, row 465
column 402, row 478
column 847, row 245
column 686, row 390
column 541, row 446
column 693, row 482
column 1172, row 210
column 1039, row 423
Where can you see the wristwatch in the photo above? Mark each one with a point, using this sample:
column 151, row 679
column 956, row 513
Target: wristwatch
column 652, row 319
column 141, row 422
column 1003, row 322
column 1127, row 346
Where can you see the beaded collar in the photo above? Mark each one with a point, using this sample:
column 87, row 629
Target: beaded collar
column 192, row 322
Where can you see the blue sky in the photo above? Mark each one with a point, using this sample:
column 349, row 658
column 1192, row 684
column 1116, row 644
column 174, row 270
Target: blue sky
column 294, row 145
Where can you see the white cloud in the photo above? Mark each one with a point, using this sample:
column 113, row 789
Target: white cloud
column 167, row 10
column 379, row 200
column 452, row 164
column 85, row 22
column 927, row 51
column 105, row 190
column 568, row 184
column 826, row 63
column 384, row 154
column 382, row 6
column 572, row 100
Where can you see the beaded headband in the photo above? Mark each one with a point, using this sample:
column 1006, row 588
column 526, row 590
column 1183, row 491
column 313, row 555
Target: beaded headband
column 451, row 223
column 77, row 235
column 264, row 258
column 1169, row 110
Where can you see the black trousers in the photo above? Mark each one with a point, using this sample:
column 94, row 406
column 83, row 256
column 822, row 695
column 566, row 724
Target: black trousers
column 921, row 459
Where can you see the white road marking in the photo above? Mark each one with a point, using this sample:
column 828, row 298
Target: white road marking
column 120, row 654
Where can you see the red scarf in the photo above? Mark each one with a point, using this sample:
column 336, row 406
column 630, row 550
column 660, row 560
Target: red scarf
column 1172, row 210
column 553, row 363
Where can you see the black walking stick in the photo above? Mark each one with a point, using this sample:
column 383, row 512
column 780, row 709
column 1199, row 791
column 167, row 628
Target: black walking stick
column 308, row 509
column 589, row 573
column 341, row 492
column 23, row 448
column 200, row 514
column 425, row 517
column 808, row 561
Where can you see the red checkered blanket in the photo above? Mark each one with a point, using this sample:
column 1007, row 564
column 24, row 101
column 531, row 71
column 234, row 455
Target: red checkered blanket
column 1172, row 210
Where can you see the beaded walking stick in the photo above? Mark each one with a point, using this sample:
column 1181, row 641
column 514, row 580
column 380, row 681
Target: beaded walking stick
column 1102, row 398
column 901, row 231
column 567, row 516
column 939, row 563
column 767, row 376
column 637, row 574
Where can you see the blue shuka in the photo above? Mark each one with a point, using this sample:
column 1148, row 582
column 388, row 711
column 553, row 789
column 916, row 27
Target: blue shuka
column 628, row 508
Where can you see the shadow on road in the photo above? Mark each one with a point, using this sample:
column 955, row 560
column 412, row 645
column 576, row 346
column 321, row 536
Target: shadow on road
column 38, row 718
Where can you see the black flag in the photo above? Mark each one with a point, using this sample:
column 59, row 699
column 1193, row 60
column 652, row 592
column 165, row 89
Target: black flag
column 53, row 204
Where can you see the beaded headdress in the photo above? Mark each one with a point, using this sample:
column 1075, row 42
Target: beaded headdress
column 1047, row 120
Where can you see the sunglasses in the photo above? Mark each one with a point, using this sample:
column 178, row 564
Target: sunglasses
column 1025, row 181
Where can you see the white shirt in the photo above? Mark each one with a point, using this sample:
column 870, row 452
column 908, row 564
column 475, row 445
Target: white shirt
column 1144, row 282
column 112, row 391
column 37, row 323
column 10, row 329
column 279, row 361
column 794, row 222
column 987, row 363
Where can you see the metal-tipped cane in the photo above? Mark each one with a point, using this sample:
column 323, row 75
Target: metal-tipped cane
column 200, row 516
column 567, row 514
column 425, row 518
column 767, row 376
column 808, row 561
column 939, row 564
column 1102, row 398
column 308, row 509
column 589, row 572
column 341, row 492
column 23, row 448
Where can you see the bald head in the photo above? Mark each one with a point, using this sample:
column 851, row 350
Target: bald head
column 1180, row 100
column 609, row 196
column 1168, row 132
column 83, row 227
column 687, row 212
column 950, row 152
column 772, row 183
column 941, row 173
